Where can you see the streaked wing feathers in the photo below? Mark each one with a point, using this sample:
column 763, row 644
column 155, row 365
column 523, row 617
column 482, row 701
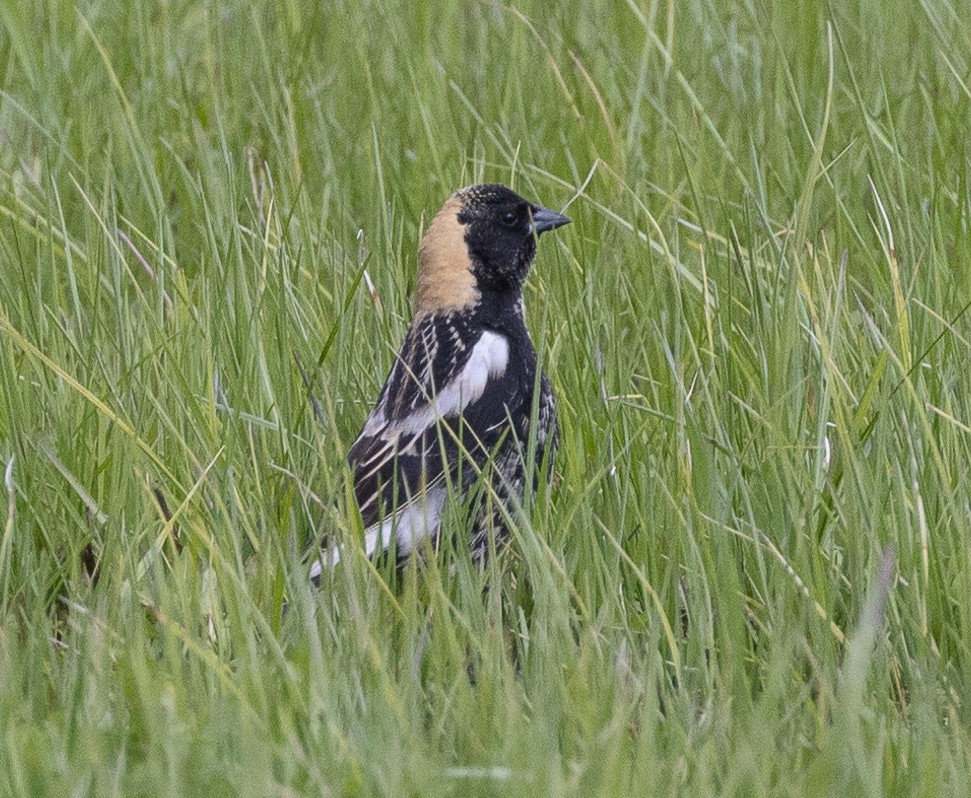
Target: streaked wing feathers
column 447, row 386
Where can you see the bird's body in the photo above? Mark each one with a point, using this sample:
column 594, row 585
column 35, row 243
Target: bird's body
column 457, row 405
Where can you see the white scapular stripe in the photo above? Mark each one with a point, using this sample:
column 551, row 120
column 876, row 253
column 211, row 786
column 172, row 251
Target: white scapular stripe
column 420, row 517
column 488, row 359
column 410, row 525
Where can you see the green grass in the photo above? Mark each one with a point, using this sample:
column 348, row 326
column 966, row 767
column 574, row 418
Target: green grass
column 752, row 575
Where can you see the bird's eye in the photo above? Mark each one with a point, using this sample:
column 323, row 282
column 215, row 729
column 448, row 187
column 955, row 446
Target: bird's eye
column 510, row 218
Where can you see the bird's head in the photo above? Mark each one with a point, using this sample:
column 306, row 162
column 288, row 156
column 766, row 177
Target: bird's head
column 483, row 239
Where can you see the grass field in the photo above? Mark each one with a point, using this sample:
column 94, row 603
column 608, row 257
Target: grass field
column 752, row 575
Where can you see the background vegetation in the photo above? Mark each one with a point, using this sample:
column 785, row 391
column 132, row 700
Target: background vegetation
column 753, row 574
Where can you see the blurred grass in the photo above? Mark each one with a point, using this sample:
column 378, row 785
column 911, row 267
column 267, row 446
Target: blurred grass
column 752, row 574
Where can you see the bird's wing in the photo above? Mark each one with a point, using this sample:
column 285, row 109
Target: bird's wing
column 446, row 396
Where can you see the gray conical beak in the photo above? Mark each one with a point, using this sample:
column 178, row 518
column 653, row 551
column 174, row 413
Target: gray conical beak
column 545, row 219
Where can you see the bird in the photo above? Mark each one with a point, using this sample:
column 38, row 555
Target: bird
column 456, row 407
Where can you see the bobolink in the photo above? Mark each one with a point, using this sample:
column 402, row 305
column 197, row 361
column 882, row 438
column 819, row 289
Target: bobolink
column 458, row 401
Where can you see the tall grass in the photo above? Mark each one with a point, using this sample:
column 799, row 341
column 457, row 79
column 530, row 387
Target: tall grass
column 751, row 575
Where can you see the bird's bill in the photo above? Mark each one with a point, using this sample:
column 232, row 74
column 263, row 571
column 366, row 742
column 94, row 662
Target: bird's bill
column 544, row 219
